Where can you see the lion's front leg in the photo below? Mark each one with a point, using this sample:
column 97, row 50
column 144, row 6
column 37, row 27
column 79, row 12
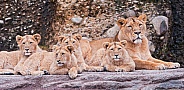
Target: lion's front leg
column 73, row 72
column 7, row 72
column 110, row 68
column 167, row 64
column 149, row 65
column 94, row 68
column 126, row 68
column 62, row 71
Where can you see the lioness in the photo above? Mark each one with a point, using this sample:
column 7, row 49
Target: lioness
column 133, row 30
column 28, row 45
column 60, row 61
column 82, row 50
column 114, row 57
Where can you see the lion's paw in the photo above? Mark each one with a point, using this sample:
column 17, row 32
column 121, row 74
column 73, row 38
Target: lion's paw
column 174, row 65
column 45, row 72
column 72, row 75
column 160, row 67
column 119, row 70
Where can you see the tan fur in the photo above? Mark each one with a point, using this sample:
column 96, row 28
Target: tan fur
column 114, row 57
column 47, row 62
column 82, row 50
column 97, row 44
column 133, row 30
column 11, row 60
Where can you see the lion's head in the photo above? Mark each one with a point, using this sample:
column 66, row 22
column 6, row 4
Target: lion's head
column 28, row 43
column 63, row 55
column 132, row 29
column 73, row 40
column 116, row 51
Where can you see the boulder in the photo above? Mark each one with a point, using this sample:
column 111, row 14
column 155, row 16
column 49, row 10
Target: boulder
column 160, row 24
column 137, row 80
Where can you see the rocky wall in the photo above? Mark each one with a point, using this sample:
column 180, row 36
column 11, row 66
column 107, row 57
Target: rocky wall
column 20, row 17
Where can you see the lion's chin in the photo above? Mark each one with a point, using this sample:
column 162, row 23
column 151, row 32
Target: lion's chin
column 60, row 65
column 116, row 59
column 27, row 53
column 137, row 41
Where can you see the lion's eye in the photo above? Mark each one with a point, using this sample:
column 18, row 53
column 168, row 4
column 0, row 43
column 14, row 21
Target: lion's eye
column 23, row 43
column 140, row 25
column 73, row 41
column 62, row 53
column 56, row 54
column 112, row 49
column 66, row 42
column 30, row 42
column 119, row 48
column 130, row 27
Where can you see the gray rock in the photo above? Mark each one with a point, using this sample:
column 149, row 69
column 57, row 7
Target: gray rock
column 77, row 19
column 129, row 13
column 137, row 80
column 1, row 22
column 112, row 31
column 160, row 24
column 151, row 46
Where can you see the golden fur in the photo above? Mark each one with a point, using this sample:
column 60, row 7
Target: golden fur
column 114, row 57
column 28, row 45
column 60, row 61
column 133, row 30
column 82, row 50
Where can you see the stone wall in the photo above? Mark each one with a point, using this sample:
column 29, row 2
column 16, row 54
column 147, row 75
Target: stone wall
column 20, row 17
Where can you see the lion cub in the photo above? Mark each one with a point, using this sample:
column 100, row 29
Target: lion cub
column 114, row 57
column 60, row 61
column 82, row 51
column 9, row 61
column 65, row 62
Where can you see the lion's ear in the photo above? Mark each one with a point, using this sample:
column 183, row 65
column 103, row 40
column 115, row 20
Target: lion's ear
column 18, row 39
column 123, row 42
column 121, row 22
column 37, row 37
column 105, row 45
column 61, row 38
column 78, row 37
column 70, row 48
column 143, row 17
column 55, row 47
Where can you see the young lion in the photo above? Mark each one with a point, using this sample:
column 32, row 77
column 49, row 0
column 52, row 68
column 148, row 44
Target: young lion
column 60, row 61
column 114, row 57
column 82, row 50
column 133, row 30
column 65, row 62
column 28, row 45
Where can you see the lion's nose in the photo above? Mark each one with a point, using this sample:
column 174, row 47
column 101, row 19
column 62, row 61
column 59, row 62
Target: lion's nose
column 116, row 55
column 137, row 33
column 58, row 60
column 26, row 49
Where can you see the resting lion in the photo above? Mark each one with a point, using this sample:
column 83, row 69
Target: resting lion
column 65, row 62
column 28, row 45
column 114, row 57
column 133, row 30
column 60, row 61
column 82, row 50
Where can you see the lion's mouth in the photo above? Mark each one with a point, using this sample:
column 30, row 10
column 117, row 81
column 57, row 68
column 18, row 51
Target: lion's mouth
column 137, row 40
column 27, row 53
column 116, row 59
column 60, row 64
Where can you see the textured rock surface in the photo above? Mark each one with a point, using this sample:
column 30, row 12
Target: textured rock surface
column 138, row 80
